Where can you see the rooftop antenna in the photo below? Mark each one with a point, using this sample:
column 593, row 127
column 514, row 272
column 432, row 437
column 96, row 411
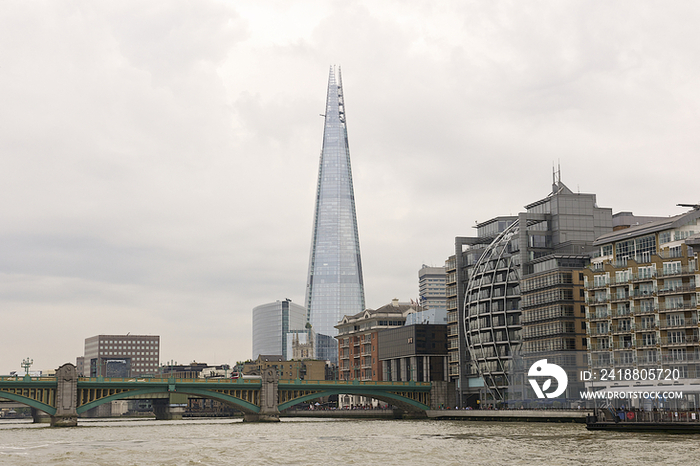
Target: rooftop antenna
column 693, row 206
column 558, row 171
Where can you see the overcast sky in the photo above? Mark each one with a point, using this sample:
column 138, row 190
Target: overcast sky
column 158, row 159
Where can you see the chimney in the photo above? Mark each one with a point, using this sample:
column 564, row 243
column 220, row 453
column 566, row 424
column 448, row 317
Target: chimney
column 395, row 302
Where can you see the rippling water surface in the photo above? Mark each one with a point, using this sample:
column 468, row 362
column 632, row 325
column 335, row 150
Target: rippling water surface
column 324, row 441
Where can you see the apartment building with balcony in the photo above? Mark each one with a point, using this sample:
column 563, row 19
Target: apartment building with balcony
column 642, row 298
column 431, row 287
column 358, row 357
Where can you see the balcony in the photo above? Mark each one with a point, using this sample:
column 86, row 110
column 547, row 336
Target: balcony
column 679, row 357
column 624, row 312
column 622, row 328
column 644, row 310
column 599, row 315
column 679, row 323
column 621, row 362
column 642, row 294
column 647, row 343
column 682, row 340
column 677, row 272
column 597, row 331
column 616, row 298
column 648, row 326
column 623, row 345
column 685, row 289
column 593, row 300
column 643, row 277
column 686, row 306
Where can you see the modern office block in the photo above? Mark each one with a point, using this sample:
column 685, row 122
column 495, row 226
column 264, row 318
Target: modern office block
column 121, row 355
column 334, row 285
column 431, row 287
column 507, row 325
column 273, row 324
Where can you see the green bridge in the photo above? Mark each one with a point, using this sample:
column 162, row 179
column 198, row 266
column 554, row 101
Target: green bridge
column 66, row 396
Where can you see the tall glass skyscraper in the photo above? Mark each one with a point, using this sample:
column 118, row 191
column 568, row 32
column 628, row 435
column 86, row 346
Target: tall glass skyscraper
column 334, row 287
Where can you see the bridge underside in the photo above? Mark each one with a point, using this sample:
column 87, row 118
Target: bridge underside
column 411, row 402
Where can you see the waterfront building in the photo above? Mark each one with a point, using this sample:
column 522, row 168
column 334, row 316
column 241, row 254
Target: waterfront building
column 431, row 287
column 642, row 300
column 121, row 355
column 413, row 353
column 519, row 305
column 357, row 339
column 275, row 324
column 334, row 286
column 463, row 375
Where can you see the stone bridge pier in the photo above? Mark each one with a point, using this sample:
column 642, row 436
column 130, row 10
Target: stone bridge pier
column 269, row 399
column 66, row 397
column 171, row 408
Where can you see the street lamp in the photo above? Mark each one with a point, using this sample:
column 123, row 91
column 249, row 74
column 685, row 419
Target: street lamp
column 26, row 364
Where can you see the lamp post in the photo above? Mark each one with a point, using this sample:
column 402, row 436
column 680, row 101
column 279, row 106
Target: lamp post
column 26, row 364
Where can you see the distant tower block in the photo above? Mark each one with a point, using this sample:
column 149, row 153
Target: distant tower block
column 334, row 287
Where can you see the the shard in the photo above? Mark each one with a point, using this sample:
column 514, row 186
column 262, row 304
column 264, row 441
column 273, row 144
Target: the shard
column 334, row 286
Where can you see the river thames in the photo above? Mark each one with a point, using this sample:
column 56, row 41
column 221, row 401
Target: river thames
column 335, row 441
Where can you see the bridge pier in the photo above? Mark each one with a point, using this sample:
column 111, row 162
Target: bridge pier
column 40, row 417
column 171, row 408
column 66, row 397
column 269, row 399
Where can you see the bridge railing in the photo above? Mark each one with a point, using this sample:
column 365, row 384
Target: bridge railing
column 356, row 382
column 170, row 380
column 22, row 378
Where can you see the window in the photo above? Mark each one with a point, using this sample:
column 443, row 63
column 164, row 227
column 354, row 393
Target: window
column 676, row 337
column 675, row 320
column 649, row 339
column 672, row 268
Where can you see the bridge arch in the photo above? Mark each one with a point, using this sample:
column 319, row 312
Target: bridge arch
column 48, row 409
column 237, row 403
column 402, row 402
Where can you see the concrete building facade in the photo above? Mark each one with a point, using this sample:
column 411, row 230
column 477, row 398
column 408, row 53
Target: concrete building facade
column 121, row 355
column 431, row 287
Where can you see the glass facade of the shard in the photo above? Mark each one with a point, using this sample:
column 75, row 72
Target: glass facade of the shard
column 334, row 287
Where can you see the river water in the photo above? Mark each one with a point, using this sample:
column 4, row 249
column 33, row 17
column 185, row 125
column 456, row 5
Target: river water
column 335, row 442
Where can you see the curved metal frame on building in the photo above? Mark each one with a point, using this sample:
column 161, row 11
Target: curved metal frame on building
column 474, row 284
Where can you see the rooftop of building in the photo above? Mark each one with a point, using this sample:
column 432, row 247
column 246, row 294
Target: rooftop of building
column 635, row 231
column 393, row 309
